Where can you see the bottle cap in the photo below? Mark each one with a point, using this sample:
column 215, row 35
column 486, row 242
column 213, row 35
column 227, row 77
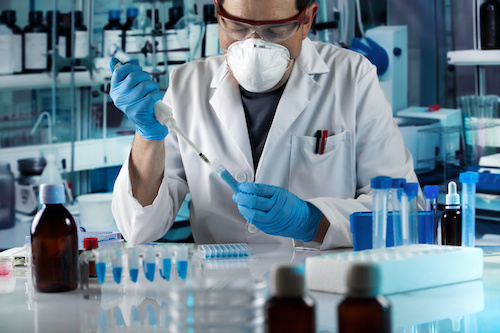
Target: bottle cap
column 381, row 183
column 469, row 177
column 398, row 182
column 288, row 280
column 452, row 198
column 132, row 12
column 90, row 243
column 431, row 191
column 8, row 16
column 36, row 17
column 411, row 189
column 363, row 280
column 114, row 14
column 52, row 194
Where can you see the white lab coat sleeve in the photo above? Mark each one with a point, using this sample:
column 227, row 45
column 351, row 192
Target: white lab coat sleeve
column 379, row 150
column 139, row 224
column 136, row 223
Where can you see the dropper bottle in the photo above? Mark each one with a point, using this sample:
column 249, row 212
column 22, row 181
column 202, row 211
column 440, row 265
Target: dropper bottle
column 451, row 218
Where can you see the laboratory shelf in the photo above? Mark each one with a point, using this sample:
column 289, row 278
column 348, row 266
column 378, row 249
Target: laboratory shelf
column 474, row 57
column 44, row 80
column 88, row 154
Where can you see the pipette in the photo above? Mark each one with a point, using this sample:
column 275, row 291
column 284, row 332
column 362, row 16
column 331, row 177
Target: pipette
column 468, row 180
column 380, row 186
column 164, row 116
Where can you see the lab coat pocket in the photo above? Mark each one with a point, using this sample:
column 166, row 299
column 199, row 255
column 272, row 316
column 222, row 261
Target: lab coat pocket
column 323, row 175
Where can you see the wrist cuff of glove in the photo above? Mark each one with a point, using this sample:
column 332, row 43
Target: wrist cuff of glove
column 156, row 132
column 312, row 224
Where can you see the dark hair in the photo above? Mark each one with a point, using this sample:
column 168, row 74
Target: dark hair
column 299, row 4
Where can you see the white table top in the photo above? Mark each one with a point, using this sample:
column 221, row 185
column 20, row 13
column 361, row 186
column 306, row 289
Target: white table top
column 474, row 306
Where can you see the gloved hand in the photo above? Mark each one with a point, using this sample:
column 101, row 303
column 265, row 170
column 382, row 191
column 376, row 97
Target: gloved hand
column 276, row 211
column 134, row 93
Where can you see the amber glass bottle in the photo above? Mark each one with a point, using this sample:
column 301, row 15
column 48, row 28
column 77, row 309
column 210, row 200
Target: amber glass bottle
column 54, row 243
column 363, row 309
column 290, row 309
column 451, row 218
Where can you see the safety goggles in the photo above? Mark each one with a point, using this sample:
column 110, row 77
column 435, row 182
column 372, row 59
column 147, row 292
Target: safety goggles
column 270, row 31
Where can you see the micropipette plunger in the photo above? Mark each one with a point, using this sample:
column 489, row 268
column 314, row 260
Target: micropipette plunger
column 164, row 116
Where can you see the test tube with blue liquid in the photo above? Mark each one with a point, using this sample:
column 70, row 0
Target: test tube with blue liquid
column 468, row 180
column 133, row 263
column 380, row 187
column 165, row 254
column 181, row 260
column 101, row 262
column 149, row 262
column 117, row 262
column 396, row 192
column 409, row 212
column 431, row 193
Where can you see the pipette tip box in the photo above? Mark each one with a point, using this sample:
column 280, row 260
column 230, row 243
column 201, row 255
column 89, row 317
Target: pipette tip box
column 395, row 269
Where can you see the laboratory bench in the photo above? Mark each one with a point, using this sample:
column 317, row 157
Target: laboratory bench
column 464, row 307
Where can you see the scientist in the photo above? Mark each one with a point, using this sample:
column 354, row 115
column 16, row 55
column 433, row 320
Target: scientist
column 303, row 126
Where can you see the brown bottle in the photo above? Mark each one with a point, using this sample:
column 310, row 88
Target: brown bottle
column 54, row 243
column 290, row 309
column 451, row 218
column 363, row 310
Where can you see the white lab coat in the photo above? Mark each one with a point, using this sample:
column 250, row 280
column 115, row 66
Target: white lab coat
column 330, row 88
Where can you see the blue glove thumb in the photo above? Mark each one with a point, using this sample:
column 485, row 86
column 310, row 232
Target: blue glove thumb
column 135, row 94
column 276, row 211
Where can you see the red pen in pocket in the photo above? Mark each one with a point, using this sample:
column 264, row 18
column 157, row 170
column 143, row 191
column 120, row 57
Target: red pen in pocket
column 324, row 135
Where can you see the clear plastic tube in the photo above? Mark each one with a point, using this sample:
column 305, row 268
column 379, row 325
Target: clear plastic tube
column 468, row 180
column 380, row 196
column 410, row 204
column 431, row 193
column 396, row 191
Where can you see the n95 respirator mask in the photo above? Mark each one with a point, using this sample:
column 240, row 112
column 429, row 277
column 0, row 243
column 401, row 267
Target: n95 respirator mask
column 256, row 64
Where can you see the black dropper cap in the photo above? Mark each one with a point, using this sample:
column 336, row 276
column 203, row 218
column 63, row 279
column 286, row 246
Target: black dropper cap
column 36, row 17
column 209, row 13
column 8, row 17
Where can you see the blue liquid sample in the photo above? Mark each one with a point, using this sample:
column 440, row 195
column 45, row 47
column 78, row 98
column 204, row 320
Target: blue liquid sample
column 150, row 271
column 119, row 321
column 229, row 179
column 117, row 274
column 134, row 272
column 100, row 268
column 182, row 268
column 167, row 268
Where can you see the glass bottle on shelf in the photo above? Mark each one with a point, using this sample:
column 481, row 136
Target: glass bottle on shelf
column 81, row 37
column 489, row 16
column 9, row 19
column 112, row 34
column 128, row 41
column 35, row 44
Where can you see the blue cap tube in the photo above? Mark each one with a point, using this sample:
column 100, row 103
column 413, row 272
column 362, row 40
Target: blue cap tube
column 468, row 180
column 431, row 193
column 380, row 197
column 409, row 217
column 395, row 194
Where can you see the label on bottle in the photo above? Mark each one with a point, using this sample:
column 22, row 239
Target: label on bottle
column 81, row 44
column 131, row 42
column 18, row 53
column 61, row 46
column 6, row 54
column 112, row 41
column 35, row 50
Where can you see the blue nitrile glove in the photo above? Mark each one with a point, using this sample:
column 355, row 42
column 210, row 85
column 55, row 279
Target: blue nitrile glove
column 276, row 211
column 133, row 92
